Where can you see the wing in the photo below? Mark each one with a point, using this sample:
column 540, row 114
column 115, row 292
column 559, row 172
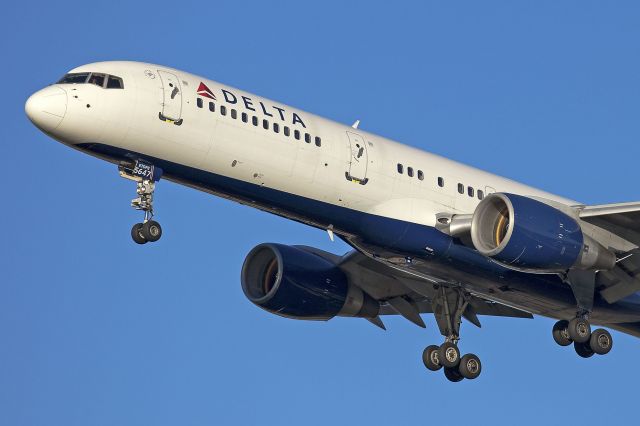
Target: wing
column 622, row 219
column 401, row 293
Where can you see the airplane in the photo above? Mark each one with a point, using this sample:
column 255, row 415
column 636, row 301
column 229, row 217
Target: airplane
column 429, row 235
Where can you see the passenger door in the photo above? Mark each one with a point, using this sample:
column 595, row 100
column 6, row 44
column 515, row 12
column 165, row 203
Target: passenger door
column 358, row 159
column 172, row 97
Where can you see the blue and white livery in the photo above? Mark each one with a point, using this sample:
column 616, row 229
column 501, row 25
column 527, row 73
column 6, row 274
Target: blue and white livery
column 429, row 235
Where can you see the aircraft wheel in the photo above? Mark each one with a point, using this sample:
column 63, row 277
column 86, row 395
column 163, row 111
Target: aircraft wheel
column 151, row 231
column 449, row 355
column 583, row 349
column 470, row 366
column 561, row 333
column 136, row 234
column 453, row 374
column 601, row 341
column 579, row 330
column 431, row 357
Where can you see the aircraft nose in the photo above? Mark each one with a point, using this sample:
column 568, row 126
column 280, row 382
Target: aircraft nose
column 46, row 108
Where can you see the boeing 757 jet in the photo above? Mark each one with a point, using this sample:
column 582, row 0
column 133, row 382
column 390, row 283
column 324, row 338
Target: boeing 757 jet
column 429, row 235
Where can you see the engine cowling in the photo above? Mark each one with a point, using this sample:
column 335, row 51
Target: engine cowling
column 527, row 234
column 295, row 283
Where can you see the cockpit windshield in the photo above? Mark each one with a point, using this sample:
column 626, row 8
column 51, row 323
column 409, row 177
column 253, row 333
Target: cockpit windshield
column 99, row 79
column 74, row 78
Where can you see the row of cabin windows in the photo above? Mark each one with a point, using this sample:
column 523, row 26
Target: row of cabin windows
column 276, row 127
column 410, row 172
column 471, row 192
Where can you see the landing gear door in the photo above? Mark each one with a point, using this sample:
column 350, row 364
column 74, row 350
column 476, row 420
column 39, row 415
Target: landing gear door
column 358, row 159
column 171, row 97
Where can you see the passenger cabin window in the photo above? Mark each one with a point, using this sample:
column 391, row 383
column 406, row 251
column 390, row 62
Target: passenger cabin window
column 265, row 124
column 212, row 106
column 307, row 138
column 254, row 120
column 296, row 134
column 480, row 194
column 471, row 191
column 287, row 132
column 276, row 127
column 318, row 141
column 410, row 171
column 234, row 113
column 115, row 82
column 245, row 117
column 400, row 168
column 223, row 110
column 199, row 102
column 420, row 175
column 441, row 182
column 461, row 188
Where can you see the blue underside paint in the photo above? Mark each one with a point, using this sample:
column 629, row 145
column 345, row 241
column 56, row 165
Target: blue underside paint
column 435, row 252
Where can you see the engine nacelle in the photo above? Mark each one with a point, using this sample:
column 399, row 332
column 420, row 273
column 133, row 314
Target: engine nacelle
column 527, row 234
column 294, row 283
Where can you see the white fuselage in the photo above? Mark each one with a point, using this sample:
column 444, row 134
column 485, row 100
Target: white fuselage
column 227, row 146
column 287, row 161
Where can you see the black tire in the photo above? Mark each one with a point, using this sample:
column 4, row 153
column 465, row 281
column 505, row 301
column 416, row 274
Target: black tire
column 431, row 358
column 579, row 330
column 449, row 355
column 151, row 231
column 470, row 366
column 453, row 374
column 561, row 333
column 601, row 341
column 136, row 234
column 583, row 349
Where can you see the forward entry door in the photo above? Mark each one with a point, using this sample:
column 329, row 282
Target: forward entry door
column 358, row 159
column 171, row 97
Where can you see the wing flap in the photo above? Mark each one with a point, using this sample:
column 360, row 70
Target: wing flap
column 621, row 281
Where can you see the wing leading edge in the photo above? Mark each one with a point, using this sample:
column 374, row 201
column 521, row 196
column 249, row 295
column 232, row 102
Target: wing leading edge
column 622, row 219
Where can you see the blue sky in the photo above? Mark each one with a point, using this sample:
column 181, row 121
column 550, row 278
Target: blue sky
column 95, row 330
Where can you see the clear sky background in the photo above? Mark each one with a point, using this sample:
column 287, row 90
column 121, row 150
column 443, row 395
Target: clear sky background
column 95, row 330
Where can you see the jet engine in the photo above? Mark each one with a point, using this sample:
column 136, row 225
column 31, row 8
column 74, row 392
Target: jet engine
column 526, row 234
column 295, row 282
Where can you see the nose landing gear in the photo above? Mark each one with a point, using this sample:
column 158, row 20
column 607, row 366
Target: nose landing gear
column 145, row 175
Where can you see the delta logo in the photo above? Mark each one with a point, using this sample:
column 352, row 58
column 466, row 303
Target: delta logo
column 203, row 90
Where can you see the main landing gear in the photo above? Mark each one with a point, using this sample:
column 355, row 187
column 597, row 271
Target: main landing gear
column 449, row 307
column 145, row 175
column 578, row 330
column 585, row 342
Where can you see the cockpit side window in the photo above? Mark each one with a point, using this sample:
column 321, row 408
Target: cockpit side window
column 97, row 79
column 114, row 82
column 74, row 78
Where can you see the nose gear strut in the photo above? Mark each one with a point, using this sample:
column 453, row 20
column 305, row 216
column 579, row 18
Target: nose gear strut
column 145, row 175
